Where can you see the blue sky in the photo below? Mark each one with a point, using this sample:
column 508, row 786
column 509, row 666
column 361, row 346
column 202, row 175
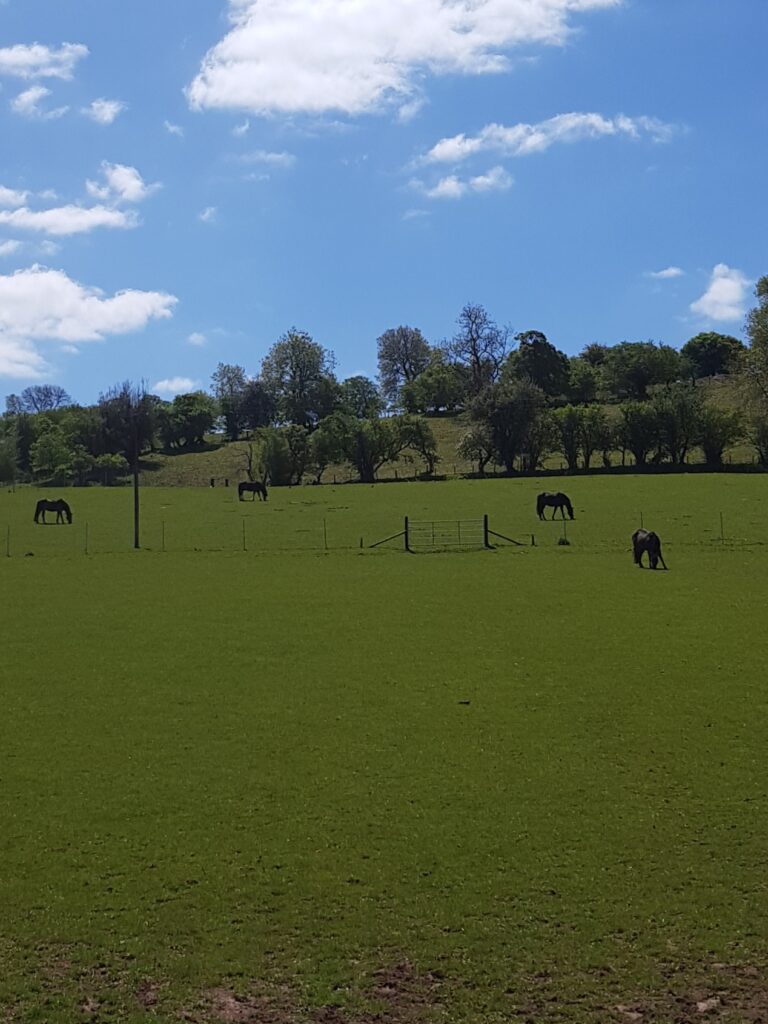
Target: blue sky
column 181, row 183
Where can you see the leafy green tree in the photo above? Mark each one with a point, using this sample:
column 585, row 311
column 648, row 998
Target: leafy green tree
column 583, row 381
column 299, row 373
column 191, row 417
column 678, row 410
column 568, row 423
column 51, row 456
column 370, row 444
column 229, row 383
column 476, row 446
column 639, row 430
column 594, row 354
column 479, row 345
column 440, row 388
column 8, row 467
column 757, row 356
column 594, row 435
column 359, row 397
column 718, row 430
column 419, row 438
column 257, row 405
column 516, row 416
column 538, row 361
column 82, row 465
column 129, row 420
column 709, row 353
column 110, row 467
column 403, row 353
column 630, row 368
column 326, row 444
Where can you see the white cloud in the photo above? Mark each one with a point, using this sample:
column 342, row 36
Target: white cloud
column 68, row 220
column 454, row 187
column 197, row 339
column 208, row 215
column 263, row 156
column 523, row 139
column 36, row 61
column 173, row 129
column 725, row 297
column 667, row 274
column 175, row 386
column 104, row 111
column 315, row 56
column 12, row 197
column 9, row 247
column 27, row 104
column 123, row 184
column 39, row 305
column 241, row 129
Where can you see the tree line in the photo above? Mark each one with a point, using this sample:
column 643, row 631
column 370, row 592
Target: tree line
column 524, row 399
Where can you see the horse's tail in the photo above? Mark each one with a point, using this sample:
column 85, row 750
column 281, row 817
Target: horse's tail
column 540, row 504
column 264, row 490
column 37, row 512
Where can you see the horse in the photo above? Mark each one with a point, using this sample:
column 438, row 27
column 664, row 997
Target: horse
column 647, row 540
column 60, row 507
column 554, row 501
column 255, row 487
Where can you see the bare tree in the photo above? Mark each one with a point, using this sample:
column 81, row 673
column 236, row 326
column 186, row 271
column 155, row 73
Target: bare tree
column 42, row 397
column 480, row 345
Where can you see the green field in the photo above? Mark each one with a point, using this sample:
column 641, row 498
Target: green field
column 290, row 784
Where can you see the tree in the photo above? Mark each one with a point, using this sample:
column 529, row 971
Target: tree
column 594, row 434
column 370, row 444
column 476, row 445
column 583, row 381
column 440, row 388
column 187, row 419
column 639, row 430
column 568, row 422
column 228, row 382
column 630, row 368
column 718, row 429
column 51, row 456
column 594, row 354
column 677, row 408
column 403, row 353
column 326, row 444
column 129, row 415
column 42, row 398
column 110, row 467
column 256, row 405
column 299, row 373
column 516, row 416
column 8, row 467
column 710, row 353
column 82, row 465
column 359, row 397
column 757, row 356
column 419, row 438
column 538, row 361
column 480, row 345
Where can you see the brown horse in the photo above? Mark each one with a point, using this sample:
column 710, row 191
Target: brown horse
column 254, row 487
column 60, row 507
column 647, row 540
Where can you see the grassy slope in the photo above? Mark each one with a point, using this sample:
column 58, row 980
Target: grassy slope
column 221, row 769
column 196, row 468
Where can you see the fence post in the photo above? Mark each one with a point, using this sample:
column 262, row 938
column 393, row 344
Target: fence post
column 325, row 534
column 722, row 533
column 245, row 547
column 405, row 534
column 533, row 541
column 486, row 541
column 163, row 534
column 8, row 542
column 86, row 538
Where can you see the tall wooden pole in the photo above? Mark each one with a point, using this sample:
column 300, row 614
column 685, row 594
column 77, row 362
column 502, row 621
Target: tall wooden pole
column 135, row 480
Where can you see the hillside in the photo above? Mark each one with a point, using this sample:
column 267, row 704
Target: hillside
column 224, row 460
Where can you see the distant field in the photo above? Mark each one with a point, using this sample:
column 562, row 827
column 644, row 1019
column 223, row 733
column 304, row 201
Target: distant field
column 288, row 785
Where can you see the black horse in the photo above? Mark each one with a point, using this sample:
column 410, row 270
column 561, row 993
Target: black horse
column 60, row 507
column 555, row 502
column 254, row 487
column 647, row 540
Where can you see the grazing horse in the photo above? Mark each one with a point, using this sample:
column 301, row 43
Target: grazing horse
column 647, row 540
column 255, row 487
column 555, row 502
column 60, row 507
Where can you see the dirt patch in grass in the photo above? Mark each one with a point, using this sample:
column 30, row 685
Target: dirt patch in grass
column 725, row 993
column 398, row 994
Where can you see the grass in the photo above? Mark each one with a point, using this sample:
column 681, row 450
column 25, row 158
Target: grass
column 527, row 784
